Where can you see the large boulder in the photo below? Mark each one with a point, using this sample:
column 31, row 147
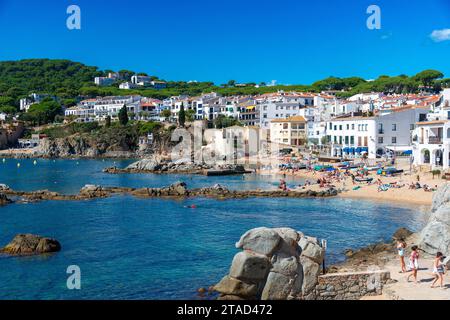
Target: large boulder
column 436, row 234
column 249, row 266
column 150, row 164
column 311, row 259
column 29, row 244
column 275, row 264
column 260, row 240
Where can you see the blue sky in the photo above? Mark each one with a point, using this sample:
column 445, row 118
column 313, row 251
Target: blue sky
column 291, row 41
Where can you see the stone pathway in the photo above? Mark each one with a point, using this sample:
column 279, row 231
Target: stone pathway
column 403, row 290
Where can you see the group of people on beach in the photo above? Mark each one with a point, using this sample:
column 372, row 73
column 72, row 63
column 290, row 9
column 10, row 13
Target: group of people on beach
column 439, row 267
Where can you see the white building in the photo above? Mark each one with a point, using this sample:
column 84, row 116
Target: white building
column 291, row 131
column 128, row 86
column 431, row 138
column 432, row 144
column 352, row 136
column 110, row 106
column 277, row 110
column 103, row 81
column 376, row 136
column 141, row 80
column 33, row 98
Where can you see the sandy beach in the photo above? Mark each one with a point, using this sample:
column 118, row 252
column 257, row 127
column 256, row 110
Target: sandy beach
column 364, row 190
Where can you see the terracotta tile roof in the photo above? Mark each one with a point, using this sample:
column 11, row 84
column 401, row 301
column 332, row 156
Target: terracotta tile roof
column 291, row 119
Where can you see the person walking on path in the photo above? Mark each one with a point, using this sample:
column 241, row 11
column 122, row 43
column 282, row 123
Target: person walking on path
column 438, row 270
column 414, row 263
column 401, row 245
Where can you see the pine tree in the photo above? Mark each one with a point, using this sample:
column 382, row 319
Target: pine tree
column 108, row 122
column 181, row 116
column 123, row 115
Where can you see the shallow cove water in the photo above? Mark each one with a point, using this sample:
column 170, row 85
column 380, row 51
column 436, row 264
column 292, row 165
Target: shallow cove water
column 129, row 248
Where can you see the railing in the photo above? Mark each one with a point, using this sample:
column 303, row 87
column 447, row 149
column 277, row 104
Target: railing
column 435, row 140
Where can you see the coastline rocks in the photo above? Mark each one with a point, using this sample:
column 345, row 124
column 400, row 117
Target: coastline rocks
column 4, row 187
column 29, row 244
column 4, row 200
column 92, row 191
column 272, row 266
column 436, row 234
column 402, row 234
column 149, row 164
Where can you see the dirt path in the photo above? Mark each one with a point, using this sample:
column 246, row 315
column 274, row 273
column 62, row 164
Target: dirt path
column 422, row 290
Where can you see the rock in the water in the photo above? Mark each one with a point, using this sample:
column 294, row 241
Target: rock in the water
column 273, row 266
column 4, row 199
column 150, row 164
column 260, row 240
column 28, row 244
column 4, row 187
column 249, row 266
column 92, row 191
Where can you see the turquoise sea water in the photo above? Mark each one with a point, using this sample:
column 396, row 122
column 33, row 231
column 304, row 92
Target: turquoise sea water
column 130, row 248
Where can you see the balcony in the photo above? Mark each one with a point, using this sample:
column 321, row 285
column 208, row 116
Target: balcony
column 435, row 140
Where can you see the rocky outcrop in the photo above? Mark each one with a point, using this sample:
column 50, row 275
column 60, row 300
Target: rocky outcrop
column 78, row 146
column 176, row 190
column 93, row 191
column 4, row 187
column 29, row 244
column 275, row 264
column 156, row 164
column 4, row 200
column 436, row 234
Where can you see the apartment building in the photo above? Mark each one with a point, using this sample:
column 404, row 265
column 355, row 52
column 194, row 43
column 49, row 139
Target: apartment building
column 291, row 131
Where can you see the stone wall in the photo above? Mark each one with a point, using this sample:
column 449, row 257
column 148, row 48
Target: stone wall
column 350, row 286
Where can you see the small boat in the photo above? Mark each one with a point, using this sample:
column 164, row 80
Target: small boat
column 389, row 171
column 364, row 180
column 376, row 168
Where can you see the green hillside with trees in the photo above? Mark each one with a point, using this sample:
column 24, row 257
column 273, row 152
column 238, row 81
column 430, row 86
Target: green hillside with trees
column 70, row 81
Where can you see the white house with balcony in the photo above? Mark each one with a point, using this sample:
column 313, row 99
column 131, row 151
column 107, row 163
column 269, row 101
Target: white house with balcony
column 431, row 144
column 431, row 138
column 375, row 136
